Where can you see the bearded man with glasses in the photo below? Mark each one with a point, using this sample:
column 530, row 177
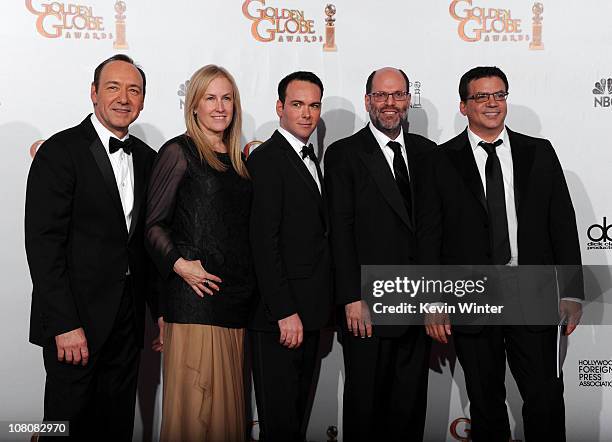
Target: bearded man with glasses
column 372, row 179
column 496, row 197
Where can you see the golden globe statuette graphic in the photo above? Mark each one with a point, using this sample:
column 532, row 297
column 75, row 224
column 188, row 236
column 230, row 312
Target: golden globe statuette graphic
column 415, row 103
column 536, row 41
column 332, row 433
column 330, row 29
column 120, row 42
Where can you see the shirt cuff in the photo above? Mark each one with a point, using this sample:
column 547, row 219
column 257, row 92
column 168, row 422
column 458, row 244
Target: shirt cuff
column 578, row 300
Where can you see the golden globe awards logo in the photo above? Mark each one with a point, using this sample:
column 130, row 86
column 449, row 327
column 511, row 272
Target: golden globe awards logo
column 250, row 147
column 288, row 26
column 77, row 21
column 460, row 430
column 34, row 147
column 495, row 25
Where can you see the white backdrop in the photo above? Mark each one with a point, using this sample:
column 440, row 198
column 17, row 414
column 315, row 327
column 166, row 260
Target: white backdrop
column 47, row 67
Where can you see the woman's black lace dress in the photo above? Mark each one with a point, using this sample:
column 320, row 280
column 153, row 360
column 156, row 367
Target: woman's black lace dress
column 196, row 212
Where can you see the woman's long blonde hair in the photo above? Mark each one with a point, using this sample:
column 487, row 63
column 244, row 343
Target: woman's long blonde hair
column 198, row 85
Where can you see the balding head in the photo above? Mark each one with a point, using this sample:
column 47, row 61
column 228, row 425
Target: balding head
column 387, row 100
column 385, row 71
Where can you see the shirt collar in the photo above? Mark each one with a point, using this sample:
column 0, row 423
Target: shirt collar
column 383, row 139
column 292, row 140
column 103, row 133
column 475, row 139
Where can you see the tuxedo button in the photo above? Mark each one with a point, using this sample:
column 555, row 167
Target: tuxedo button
column 326, row 234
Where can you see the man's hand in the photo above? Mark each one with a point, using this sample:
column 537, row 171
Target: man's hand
column 194, row 274
column 158, row 343
column 437, row 326
column 572, row 312
column 291, row 331
column 358, row 319
column 72, row 347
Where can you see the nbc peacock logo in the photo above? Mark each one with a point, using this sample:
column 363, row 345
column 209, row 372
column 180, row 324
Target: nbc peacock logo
column 182, row 93
column 602, row 93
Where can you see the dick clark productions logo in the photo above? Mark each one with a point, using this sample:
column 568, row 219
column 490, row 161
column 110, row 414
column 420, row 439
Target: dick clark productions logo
column 599, row 236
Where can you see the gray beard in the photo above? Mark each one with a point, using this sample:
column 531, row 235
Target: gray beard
column 387, row 130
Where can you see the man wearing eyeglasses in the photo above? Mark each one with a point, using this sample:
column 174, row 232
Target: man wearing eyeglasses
column 372, row 179
column 498, row 197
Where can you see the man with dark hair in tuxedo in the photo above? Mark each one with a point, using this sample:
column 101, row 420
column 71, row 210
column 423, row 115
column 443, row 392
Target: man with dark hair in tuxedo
column 84, row 220
column 373, row 183
column 498, row 197
column 289, row 238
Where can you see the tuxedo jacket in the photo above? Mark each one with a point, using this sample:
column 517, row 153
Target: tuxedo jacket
column 370, row 224
column 289, row 232
column 77, row 242
column 453, row 222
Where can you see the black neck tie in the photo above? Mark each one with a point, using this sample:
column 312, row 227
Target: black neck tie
column 308, row 151
column 114, row 145
column 496, row 205
column 402, row 178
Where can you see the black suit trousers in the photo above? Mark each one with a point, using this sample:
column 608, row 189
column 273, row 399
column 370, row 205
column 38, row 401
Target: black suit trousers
column 532, row 360
column 283, row 379
column 385, row 387
column 97, row 399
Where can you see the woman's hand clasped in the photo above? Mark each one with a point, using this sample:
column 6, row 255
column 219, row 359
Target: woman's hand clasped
column 197, row 277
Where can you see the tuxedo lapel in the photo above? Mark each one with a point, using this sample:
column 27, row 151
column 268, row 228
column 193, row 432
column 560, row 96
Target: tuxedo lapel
column 462, row 157
column 522, row 162
column 301, row 169
column 138, row 162
column 100, row 156
column 411, row 155
column 373, row 158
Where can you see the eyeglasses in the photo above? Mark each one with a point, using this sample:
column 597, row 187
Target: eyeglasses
column 483, row 97
column 381, row 97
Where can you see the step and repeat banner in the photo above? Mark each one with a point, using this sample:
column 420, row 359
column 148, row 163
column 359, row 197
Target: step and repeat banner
column 556, row 56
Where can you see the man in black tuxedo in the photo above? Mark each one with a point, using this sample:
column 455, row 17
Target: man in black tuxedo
column 373, row 183
column 497, row 197
column 90, row 273
column 289, row 238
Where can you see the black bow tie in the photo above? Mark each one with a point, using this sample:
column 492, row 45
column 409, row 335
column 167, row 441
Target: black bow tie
column 114, row 145
column 490, row 147
column 308, row 151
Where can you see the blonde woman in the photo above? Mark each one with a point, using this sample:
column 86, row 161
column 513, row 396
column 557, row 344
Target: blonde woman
column 197, row 234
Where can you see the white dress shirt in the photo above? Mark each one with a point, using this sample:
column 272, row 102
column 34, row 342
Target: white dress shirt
column 504, row 153
column 386, row 150
column 297, row 146
column 123, row 169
